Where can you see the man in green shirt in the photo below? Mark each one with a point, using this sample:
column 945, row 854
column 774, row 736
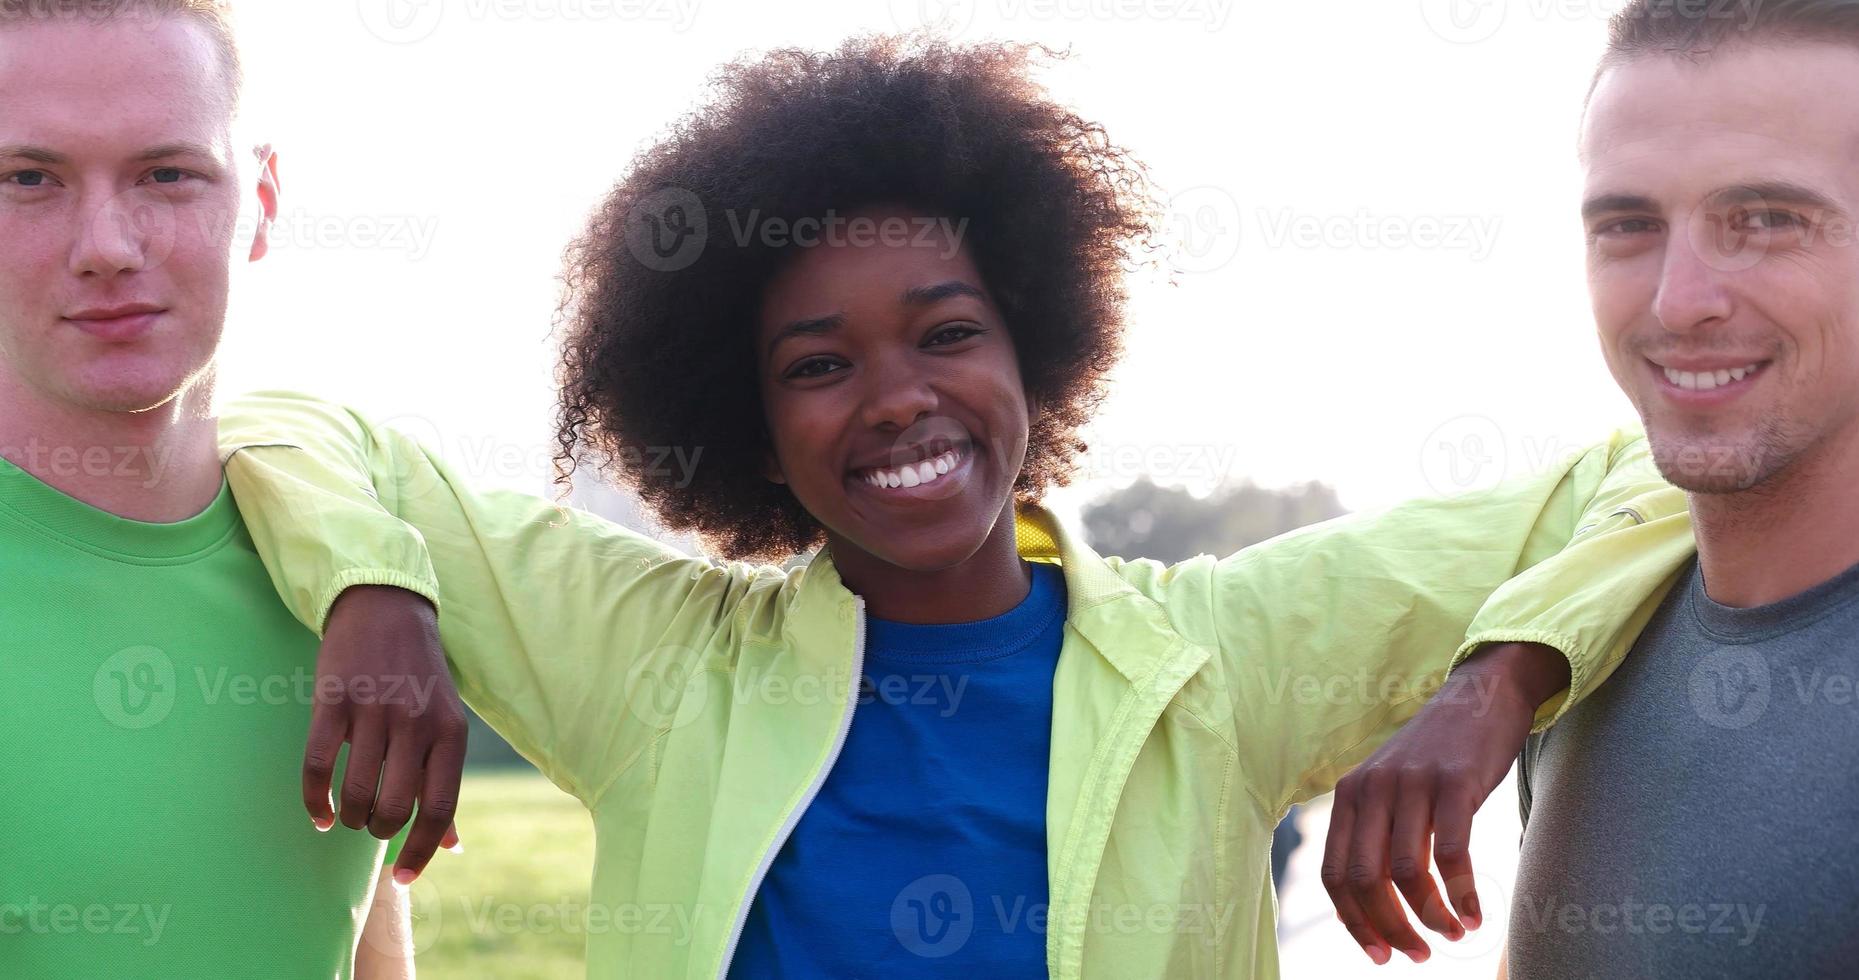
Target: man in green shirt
column 157, row 689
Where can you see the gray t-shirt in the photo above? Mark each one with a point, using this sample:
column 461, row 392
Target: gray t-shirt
column 1697, row 816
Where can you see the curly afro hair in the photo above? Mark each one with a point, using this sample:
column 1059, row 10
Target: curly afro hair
column 657, row 346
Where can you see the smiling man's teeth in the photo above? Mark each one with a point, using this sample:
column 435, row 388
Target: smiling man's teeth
column 914, row 474
column 1707, row 380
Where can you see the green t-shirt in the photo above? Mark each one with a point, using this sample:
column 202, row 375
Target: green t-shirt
column 151, row 815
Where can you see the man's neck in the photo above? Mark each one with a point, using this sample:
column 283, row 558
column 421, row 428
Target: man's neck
column 1784, row 536
column 158, row 466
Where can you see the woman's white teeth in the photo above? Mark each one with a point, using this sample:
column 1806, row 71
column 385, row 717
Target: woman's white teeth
column 1707, row 380
column 913, row 474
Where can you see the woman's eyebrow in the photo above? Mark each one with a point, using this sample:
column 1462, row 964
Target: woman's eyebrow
column 813, row 327
column 925, row 295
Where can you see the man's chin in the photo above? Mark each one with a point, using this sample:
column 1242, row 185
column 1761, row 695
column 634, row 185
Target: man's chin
column 124, row 389
column 1713, row 465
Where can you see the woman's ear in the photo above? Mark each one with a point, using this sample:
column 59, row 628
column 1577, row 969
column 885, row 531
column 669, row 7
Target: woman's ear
column 1033, row 408
column 771, row 468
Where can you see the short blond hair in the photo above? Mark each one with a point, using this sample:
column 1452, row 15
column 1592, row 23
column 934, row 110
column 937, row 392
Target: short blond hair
column 215, row 15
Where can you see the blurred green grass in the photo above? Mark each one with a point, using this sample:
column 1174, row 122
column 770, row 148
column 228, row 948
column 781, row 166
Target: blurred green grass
column 512, row 905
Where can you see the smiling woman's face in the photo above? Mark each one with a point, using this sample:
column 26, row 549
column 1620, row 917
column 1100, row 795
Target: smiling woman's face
column 892, row 393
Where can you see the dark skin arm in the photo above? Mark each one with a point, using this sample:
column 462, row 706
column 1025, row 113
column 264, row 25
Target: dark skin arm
column 382, row 687
column 1410, row 805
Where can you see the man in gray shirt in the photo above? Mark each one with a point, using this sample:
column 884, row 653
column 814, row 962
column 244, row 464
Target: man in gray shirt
column 1696, row 817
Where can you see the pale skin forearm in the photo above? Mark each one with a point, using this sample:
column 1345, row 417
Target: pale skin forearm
column 386, row 948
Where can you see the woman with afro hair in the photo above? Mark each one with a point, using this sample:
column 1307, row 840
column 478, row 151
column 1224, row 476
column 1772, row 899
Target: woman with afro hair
column 874, row 293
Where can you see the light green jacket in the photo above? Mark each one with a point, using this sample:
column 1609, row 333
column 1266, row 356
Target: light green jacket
column 696, row 708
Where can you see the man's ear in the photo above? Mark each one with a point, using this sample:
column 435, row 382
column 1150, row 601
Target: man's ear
column 268, row 191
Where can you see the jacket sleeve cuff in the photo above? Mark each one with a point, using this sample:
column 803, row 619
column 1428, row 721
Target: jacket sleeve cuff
column 372, row 576
column 1552, row 710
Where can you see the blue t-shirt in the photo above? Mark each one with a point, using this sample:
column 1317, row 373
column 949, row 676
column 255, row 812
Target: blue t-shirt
column 924, row 854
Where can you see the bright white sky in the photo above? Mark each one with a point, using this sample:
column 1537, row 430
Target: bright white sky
column 438, row 154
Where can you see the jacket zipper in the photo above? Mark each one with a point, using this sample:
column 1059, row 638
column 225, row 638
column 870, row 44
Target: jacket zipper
column 806, row 800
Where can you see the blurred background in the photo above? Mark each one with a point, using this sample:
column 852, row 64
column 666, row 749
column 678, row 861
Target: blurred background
column 1376, row 293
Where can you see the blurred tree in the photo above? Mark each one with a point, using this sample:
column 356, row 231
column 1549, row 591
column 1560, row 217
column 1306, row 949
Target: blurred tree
column 1169, row 523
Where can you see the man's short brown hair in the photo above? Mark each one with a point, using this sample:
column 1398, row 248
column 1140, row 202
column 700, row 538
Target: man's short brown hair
column 1682, row 27
column 215, row 15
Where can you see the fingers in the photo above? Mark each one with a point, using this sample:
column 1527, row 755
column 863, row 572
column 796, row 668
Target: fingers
column 1410, row 864
column 399, row 784
column 444, row 767
column 328, row 727
column 450, row 841
column 361, row 778
column 1365, row 870
column 1336, row 849
column 1452, row 834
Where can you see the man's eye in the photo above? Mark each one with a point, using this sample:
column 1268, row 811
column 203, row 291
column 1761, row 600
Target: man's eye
column 29, row 178
column 1626, row 226
column 1771, row 220
column 167, row 175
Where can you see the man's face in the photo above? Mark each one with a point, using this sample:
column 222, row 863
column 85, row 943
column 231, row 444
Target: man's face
column 1723, row 256
column 120, row 198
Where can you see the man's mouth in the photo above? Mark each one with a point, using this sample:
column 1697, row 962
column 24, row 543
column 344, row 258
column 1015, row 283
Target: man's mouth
column 117, row 324
column 1710, row 379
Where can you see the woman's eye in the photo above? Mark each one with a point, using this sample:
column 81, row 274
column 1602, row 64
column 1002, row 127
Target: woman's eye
column 951, row 335
column 812, row 369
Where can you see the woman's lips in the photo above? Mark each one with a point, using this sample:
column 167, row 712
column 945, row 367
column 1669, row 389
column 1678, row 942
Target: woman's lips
column 892, row 484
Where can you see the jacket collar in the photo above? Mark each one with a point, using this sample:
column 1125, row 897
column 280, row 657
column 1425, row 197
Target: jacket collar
column 1127, row 628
